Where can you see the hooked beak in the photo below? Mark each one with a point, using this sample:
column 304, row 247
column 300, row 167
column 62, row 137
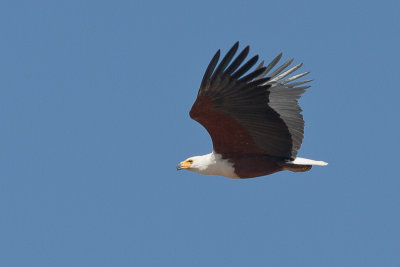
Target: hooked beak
column 179, row 167
column 183, row 165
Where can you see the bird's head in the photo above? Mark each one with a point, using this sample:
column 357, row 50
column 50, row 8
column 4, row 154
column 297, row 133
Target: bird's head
column 195, row 164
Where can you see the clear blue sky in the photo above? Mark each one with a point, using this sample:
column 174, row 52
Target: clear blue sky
column 94, row 102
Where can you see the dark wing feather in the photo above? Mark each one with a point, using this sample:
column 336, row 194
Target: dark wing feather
column 251, row 114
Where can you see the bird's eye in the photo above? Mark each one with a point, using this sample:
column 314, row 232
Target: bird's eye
column 190, row 161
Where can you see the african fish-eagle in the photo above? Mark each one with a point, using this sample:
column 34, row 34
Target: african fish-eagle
column 254, row 119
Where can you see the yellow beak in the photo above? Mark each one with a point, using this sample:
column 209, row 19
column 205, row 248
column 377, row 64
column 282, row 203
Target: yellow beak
column 183, row 165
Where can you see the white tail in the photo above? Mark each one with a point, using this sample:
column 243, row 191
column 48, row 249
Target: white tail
column 302, row 161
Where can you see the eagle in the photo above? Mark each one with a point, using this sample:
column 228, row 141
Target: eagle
column 253, row 117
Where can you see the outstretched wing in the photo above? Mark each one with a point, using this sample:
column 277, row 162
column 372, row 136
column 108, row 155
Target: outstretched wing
column 253, row 113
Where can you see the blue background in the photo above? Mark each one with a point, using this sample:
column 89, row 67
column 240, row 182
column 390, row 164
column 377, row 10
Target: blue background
column 94, row 102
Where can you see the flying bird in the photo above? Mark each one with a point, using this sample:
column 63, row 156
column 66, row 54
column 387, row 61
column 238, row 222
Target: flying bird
column 253, row 118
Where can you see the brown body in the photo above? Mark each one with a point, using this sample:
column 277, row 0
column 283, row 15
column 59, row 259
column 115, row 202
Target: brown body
column 250, row 166
column 255, row 165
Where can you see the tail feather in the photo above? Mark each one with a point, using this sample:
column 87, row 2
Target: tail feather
column 303, row 161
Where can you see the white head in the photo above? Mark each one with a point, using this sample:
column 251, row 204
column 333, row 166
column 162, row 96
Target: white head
column 210, row 164
column 195, row 164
